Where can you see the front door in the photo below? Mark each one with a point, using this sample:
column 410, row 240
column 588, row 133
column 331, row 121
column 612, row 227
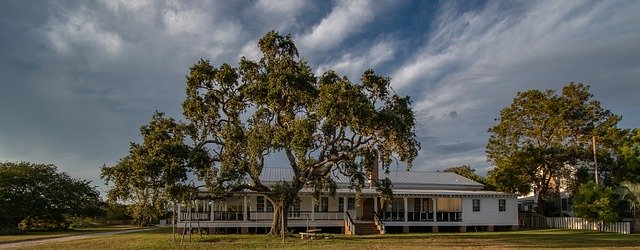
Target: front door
column 367, row 209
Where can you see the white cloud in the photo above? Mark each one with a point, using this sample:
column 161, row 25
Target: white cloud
column 281, row 7
column 353, row 64
column 80, row 30
column 344, row 20
column 474, row 62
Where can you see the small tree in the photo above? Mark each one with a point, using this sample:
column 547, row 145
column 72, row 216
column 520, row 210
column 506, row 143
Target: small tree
column 154, row 172
column 594, row 202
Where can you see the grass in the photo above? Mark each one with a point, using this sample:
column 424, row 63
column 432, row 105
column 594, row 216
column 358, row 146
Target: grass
column 555, row 238
column 56, row 234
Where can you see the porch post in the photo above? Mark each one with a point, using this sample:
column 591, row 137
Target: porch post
column 345, row 203
column 211, row 203
column 197, row 214
column 435, row 208
column 179, row 211
column 406, row 210
column 244, row 208
column 313, row 209
column 375, row 204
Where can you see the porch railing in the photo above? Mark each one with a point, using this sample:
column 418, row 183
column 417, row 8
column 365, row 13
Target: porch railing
column 379, row 224
column 392, row 216
column 421, row 216
column 449, row 216
column 259, row 215
column 351, row 227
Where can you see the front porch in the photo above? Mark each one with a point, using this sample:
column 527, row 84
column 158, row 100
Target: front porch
column 253, row 210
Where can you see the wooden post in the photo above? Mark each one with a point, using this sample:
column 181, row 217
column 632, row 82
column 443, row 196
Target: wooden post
column 435, row 208
column 313, row 209
column 282, row 223
column 406, row 209
column 244, row 208
column 173, row 222
column 595, row 159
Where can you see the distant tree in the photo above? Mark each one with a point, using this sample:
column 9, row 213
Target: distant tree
column 629, row 169
column 631, row 193
column 154, row 172
column 36, row 194
column 468, row 172
column 323, row 125
column 542, row 137
column 596, row 203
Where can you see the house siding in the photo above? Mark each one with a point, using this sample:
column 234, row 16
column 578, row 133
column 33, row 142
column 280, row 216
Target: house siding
column 489, row 213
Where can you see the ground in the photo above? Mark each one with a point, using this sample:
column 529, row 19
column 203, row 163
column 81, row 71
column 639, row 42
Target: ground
column 162, row 239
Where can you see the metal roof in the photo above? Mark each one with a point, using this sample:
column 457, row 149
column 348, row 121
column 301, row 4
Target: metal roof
column 398, row 178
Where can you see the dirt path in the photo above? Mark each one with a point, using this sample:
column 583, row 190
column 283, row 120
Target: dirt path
column 66, row 238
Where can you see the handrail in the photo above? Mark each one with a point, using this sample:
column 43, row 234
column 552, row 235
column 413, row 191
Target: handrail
column 349, row 222
column 379, row 223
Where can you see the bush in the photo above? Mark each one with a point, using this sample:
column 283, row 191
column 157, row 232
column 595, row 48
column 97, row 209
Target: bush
column 596, row 203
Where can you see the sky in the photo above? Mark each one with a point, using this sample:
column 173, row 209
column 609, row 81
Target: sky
column 78, row 78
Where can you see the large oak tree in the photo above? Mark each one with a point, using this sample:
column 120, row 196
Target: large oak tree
column 543, row 136
column 323, row 125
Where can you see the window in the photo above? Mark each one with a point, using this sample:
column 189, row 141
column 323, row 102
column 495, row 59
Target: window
column 260, row 203
column 324, row 205
column 324, row 202
column 294, row 209
column 351, row 204
column 502, row 205
column 476, row 205
column 416, row 204
column 564, row 204
column 269, row 206
column 397, row 205
column 340, row 204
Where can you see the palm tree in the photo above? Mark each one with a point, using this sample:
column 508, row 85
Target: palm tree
column 631, row 193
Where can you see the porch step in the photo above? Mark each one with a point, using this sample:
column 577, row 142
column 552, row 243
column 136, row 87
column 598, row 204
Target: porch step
column 365, row 228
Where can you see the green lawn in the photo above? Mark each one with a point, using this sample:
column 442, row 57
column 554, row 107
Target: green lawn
column 46, row 235
column 162, row 239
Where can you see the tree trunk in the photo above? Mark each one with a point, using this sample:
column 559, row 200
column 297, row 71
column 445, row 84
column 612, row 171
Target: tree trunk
column 279, row 221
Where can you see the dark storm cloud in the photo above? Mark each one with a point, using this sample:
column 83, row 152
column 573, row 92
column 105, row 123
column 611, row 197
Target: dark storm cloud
column 79, row 78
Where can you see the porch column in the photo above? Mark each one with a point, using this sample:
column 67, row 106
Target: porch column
column 179, row 211
column 375, row 204
column 345, row 203
column 406, row 210
column 435, row 208
column 211, row 203
column 313, row 209
column 244, row 208
column 197, row 214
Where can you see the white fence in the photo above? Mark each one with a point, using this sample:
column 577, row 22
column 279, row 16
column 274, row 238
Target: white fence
column 536, row 221
column 582, row 224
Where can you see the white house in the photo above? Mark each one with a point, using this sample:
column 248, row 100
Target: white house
column 423, row 202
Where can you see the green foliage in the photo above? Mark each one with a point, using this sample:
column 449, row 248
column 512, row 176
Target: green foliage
column 154, row 172
column 276, row 105
column 543, row 136
column 36, row 196
column 596, row 203
column 631, row 193
column 630, row 157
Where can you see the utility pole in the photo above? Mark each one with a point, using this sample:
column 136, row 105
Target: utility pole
column 595, row 159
